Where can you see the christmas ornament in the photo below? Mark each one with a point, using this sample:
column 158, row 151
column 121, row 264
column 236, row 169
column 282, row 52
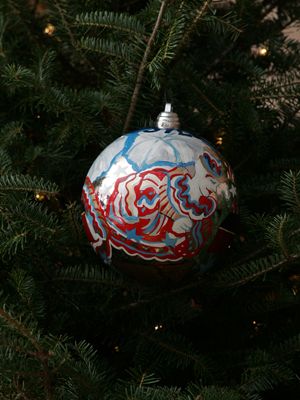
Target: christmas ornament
column 159, row 201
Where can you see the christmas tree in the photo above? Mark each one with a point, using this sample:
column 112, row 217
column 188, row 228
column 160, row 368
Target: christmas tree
column 75, row 76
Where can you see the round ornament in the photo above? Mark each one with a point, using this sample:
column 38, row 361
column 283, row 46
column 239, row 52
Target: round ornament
column 159, row 202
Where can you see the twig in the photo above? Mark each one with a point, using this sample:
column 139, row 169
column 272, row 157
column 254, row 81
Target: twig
column 21, row 392
column 249, row 256
column 280, row 238
column 193, row 25
column 42, row 354
column 161, row 296
column 256, row 274
column 219, row 59
column 18, row 348
column 221, row 113
column 243, row 161
column 21, row 328
column 74, row 43
column 142, row 67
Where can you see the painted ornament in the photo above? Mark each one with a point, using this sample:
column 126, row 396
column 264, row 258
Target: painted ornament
column 160, row 203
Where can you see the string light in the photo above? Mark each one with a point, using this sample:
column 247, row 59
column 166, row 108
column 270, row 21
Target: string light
column 117, row 349
column 263, row 51
column 39, row 196
column 49, row 29
column 219, row 140
column 157, row 327
column 257, row 325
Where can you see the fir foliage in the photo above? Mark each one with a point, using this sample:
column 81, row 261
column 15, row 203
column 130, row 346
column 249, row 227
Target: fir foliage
column 74, row 76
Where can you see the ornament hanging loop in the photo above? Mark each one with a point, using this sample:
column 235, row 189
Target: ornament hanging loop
column 168, row 119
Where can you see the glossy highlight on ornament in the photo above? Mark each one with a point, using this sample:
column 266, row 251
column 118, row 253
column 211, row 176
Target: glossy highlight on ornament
column 156, row 201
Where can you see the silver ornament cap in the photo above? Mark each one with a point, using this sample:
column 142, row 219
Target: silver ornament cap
column 168, row 119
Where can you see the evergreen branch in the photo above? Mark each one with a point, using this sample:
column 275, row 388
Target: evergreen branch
column 87, row 280
column 42, row 355
column 5, row 162
column 65, row 22
column 109, row 48
column 288, row 347
column 3, row 395
column 27, row 183
column 249, row 272
column 230, row 26
column 221, row 113
column 174, row 346
column 19, row 75
column 283, row 96
column 249, row 256
column 19, row 349
column 296, row 191
column 280, row 238
column 169, row 40
column 142, row 380
column 10, row 132
column 255, row 253
column 199, row 392
column 77, row 376
column 283, row 86
column 279, row 225
column 161, row 49
column 90, row 274
column 11, row 238
column 290, row 190
column 262, row 186
column 35, row 219
column 261, row 272
column 61, row 102
column 205, row 89
column 142, row 66
column 21, row 392
column 224, row 25
column 265, row 371
column 12, row 321
column 249, row 384
column 73, row 41
column 74, row 222
column 167, row 50
column 159, row 297
column 288, row 119
column 248, row 66
column 63, row 129
column 45, row 272
column 111, row 20
column 217, row 61
column 194, row 24
column 27, row 25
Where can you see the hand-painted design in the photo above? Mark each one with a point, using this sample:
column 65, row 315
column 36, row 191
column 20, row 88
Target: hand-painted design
column 152, row 194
